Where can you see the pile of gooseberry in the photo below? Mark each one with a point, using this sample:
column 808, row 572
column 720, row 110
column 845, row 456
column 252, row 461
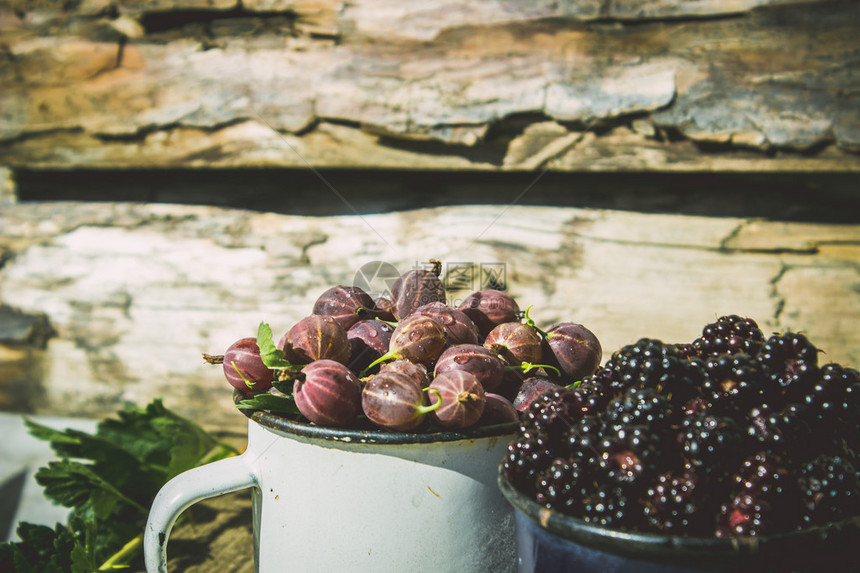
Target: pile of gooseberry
column 411, row 362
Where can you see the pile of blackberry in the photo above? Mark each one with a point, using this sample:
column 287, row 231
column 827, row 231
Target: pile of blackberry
column 733, row 434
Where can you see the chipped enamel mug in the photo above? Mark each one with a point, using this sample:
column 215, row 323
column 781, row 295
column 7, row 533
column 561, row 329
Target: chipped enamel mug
column 327, row 499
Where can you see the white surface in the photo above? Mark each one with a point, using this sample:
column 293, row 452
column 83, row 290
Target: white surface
column 19, row 450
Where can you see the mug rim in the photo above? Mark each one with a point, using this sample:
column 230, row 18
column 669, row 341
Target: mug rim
column 351, row 435
column 679, row 549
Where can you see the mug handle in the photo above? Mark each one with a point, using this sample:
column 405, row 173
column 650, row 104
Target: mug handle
column 184, row 490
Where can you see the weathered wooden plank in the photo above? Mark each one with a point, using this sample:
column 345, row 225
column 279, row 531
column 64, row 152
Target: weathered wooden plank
column 758, row 89
column 136, row 292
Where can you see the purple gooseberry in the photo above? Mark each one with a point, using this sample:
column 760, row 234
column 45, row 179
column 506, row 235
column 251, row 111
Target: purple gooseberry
column 327, row 393
column 346, row 304
column 243, row 366
column 489, row 308
column 475, row 359
column 462, row 399
column 316, row 337
column 459, row 327
column 393, row 401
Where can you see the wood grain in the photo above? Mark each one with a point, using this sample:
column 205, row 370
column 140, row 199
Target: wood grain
column 657, row 84
column 138, row 291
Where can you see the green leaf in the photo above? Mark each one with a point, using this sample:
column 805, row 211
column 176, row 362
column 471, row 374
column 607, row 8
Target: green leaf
column 172, row 442
column 41, row 550
column 81, row 561
column 74, row 484
column 272, row 356
column 283, row 404
column 109, row 479
column 284, row 386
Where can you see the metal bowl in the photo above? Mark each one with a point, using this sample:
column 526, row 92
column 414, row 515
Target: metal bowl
column 551, row 541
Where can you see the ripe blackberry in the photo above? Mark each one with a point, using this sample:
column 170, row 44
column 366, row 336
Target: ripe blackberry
column 791, row 361
column 553, row 413
column 650, row 363
column 729, row 335
column 831, row 391
column 765, row 499
column 712, row 442
column 830, row 486
column 835, row 402
column 632, row 456
column 563, row 484
column 598, row 390
column 681, row 502
column 642, row 406
column 787, row 432
column 612, row 506
column 584, row 438
column 686, row 350
column 526, row 457
column 695, row 406
column 736, row 383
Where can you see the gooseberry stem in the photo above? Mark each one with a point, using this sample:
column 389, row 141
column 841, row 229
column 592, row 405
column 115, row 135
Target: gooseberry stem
column 530, row 322
column 384, row 358
column 213, row 358
column 526, row 367
column 430, row 408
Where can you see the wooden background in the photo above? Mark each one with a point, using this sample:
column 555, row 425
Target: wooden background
column 602, row 85
column 172, row 173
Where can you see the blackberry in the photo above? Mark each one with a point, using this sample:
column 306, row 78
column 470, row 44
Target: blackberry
column 831, row 490
column 736, row 383
column 729, row 335
column 553, row 413
column 791, row 361
column 641, row 406
column 681, row 502
column 696, row 405
column 835, row 402
column 625, row 363
column 584, row 438
column 612, row 506
column 765, row 499
column 526, row 457
column 712, row 442
column 650, row 363
column 632, row 456
column 563, row 484
column 686, row 350
column 787, row 432
column 598, row 390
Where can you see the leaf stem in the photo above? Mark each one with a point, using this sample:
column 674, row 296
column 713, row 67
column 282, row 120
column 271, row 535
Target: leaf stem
column 120, row 558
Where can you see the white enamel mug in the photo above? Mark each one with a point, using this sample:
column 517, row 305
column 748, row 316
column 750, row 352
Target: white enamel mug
column 329, row 499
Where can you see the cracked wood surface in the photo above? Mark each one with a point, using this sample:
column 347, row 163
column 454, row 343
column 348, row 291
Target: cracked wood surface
column 136, row 292
column 596, row 85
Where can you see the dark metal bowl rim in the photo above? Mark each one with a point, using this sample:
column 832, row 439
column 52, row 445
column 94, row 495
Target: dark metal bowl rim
column 676, row 547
